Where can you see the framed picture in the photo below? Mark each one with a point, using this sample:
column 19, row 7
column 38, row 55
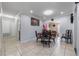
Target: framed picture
column 34, row 22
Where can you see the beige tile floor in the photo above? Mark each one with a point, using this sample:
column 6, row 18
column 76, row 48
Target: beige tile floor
column 33, row 48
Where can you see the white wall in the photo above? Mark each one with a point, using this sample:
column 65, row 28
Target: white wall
column 8, row 26
column 75, row 29
column 0, row 34
column 64, row 23
column 77, row 41
column 28, row 31
column 0, row 25
column 0, row 31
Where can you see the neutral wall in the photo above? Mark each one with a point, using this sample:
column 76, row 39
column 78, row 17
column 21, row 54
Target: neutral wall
column 77, row 41
column 28, row 31
column 8, row 26
column 75, row 29
column 64, row 23
column 0, row 30
column 0, row 35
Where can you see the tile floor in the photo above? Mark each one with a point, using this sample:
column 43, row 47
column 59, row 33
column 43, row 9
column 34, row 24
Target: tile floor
column 33, row 48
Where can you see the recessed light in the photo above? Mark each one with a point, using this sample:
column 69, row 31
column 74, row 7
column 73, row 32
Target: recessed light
column 31, row 11
column 48, row 12
column 61, row 12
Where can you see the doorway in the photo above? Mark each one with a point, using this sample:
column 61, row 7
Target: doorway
column 9, row 31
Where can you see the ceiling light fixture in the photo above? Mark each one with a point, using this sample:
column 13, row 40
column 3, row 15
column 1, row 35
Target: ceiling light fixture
column 61, row 12
column 48, row 12
column 31, row 11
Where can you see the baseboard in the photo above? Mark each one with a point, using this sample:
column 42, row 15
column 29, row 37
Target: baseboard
column 75, row 50
column 25, row 41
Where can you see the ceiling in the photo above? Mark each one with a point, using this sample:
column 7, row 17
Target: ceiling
column 0, row 6
column 38, row 8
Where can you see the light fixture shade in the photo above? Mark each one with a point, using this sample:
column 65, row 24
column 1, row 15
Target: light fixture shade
column 61, row 12
column 31, row 11
column 48, row 12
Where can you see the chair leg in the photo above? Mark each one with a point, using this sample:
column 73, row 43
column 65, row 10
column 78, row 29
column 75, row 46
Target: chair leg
column 70, row 40
column 66, row 40
column 49, row 43
column 61, row 39
column 37, row 40
column 43, row 43
column 54, row 40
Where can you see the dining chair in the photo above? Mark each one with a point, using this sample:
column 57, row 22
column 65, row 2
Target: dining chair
column 67, row 36
column 38, row 36
column 46, row 38
column 53, row 35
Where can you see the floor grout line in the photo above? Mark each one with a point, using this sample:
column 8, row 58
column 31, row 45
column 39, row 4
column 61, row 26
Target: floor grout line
column 65, row 49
